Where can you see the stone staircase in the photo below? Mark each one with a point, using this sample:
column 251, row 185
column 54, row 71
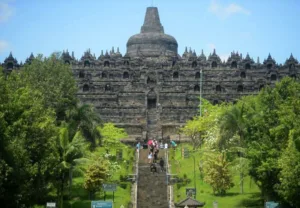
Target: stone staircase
column 152, row 188
column 152, row 124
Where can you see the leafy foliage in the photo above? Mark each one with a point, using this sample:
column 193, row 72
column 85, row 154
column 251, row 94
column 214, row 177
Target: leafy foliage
column 96, row 175
column 33, row 103
column 217, row 173
column 111, row 135
column 254, row 134
column 54, row 80
column 28, row 137
column 203, row 129
column 289, row 175
column 84, row 119
column 43, row 134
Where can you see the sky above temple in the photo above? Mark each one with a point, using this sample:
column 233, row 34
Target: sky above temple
column 257, row 27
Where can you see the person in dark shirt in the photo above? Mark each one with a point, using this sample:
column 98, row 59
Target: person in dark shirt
column 155, row 155
column 153, row 168
column 162, row 165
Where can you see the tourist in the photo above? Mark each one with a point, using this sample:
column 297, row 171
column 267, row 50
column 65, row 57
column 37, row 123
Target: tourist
column 153, row 168
column 156, row 144
column 150, row 157
column 161, row 145
column 173, row 144
column 138, row 146
column 166, row 145
column 150, row 142
column 162, row 164
column 151, row 148
column 155, row 155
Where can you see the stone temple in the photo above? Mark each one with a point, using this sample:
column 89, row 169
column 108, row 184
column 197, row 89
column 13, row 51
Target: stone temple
column 152, row 90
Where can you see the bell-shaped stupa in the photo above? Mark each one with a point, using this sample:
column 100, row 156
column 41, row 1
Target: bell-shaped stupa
column 152, row 41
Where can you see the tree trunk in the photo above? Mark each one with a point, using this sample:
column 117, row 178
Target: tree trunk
column 242, row 182
column 61, row 195
column 70, row 181
column 38, row 194
column 242, row 155
column 91, row 195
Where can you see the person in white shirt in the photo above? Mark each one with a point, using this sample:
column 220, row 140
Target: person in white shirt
column 150, row 157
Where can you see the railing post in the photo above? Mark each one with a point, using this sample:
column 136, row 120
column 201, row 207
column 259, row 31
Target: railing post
column 168, row 178
column 136, row 177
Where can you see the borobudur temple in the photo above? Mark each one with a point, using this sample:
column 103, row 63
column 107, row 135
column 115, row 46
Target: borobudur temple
column 152, row 90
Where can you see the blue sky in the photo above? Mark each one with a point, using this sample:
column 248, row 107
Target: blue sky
column 258, row 27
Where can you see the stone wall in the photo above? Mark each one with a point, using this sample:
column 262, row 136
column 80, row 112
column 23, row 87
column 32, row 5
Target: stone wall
column 139, row 92
column 124, row 93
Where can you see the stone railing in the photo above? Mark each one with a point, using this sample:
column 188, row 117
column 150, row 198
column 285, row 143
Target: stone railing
column 168, row 180
column 135, row 185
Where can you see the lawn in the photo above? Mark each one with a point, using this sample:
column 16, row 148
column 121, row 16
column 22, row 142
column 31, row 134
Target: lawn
column 233, row 198
column 80, row 197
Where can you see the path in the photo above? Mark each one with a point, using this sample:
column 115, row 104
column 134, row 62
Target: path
column 152, row 188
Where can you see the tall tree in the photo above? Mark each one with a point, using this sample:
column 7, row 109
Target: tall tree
column 289, row 187
column 202, row 129
column 277, row 114
column 71, row 151
column 111, row 135
column 29, row 148
column 33, row 100
column 233, row 123
column 96, row 175
column 217, row 173
column 83, row 118
column 54, row 80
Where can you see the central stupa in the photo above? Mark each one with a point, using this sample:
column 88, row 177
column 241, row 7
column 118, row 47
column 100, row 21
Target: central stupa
column 152, row 41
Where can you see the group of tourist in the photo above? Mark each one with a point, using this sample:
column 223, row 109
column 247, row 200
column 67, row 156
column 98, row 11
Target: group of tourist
column 153, row 151
column 153, row 146
column 153, row 158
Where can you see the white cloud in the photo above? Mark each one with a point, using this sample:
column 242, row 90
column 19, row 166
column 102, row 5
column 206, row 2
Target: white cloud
column 3, row 46
column 6, row 11
column 224, row 57
column 223, row 11
column 212, row 46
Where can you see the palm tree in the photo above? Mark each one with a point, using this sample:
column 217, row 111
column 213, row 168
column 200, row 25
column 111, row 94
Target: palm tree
column 232, row 125
column 71, row 150
column 85, row 120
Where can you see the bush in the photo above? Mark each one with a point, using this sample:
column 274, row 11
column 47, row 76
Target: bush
column 129, row 204
column 122, row 178
column 123, row 185
column 179, row 185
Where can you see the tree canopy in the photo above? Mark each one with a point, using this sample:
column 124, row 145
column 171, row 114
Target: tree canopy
column 263, row 132
column 43, row 131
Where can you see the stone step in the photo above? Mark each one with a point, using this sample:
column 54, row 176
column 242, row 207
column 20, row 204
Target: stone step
column 144, row 156
column 152, row 188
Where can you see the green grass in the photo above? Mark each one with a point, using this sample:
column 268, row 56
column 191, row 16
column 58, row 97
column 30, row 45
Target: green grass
column 232, row 199
column 80, row 197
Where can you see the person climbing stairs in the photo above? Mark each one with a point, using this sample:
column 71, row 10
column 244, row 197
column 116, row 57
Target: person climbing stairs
column 152, row 186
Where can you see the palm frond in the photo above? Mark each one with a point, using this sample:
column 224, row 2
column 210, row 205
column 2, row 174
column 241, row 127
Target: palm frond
column 64, row 138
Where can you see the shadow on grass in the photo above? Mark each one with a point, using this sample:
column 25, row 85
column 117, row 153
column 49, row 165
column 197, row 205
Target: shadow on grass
column 78, row 191
column 227, row 194
column 79, row 204
column 255, row 201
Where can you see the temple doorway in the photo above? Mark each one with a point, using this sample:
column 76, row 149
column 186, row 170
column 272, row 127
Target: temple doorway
column 151, row 103
column 151, row 99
